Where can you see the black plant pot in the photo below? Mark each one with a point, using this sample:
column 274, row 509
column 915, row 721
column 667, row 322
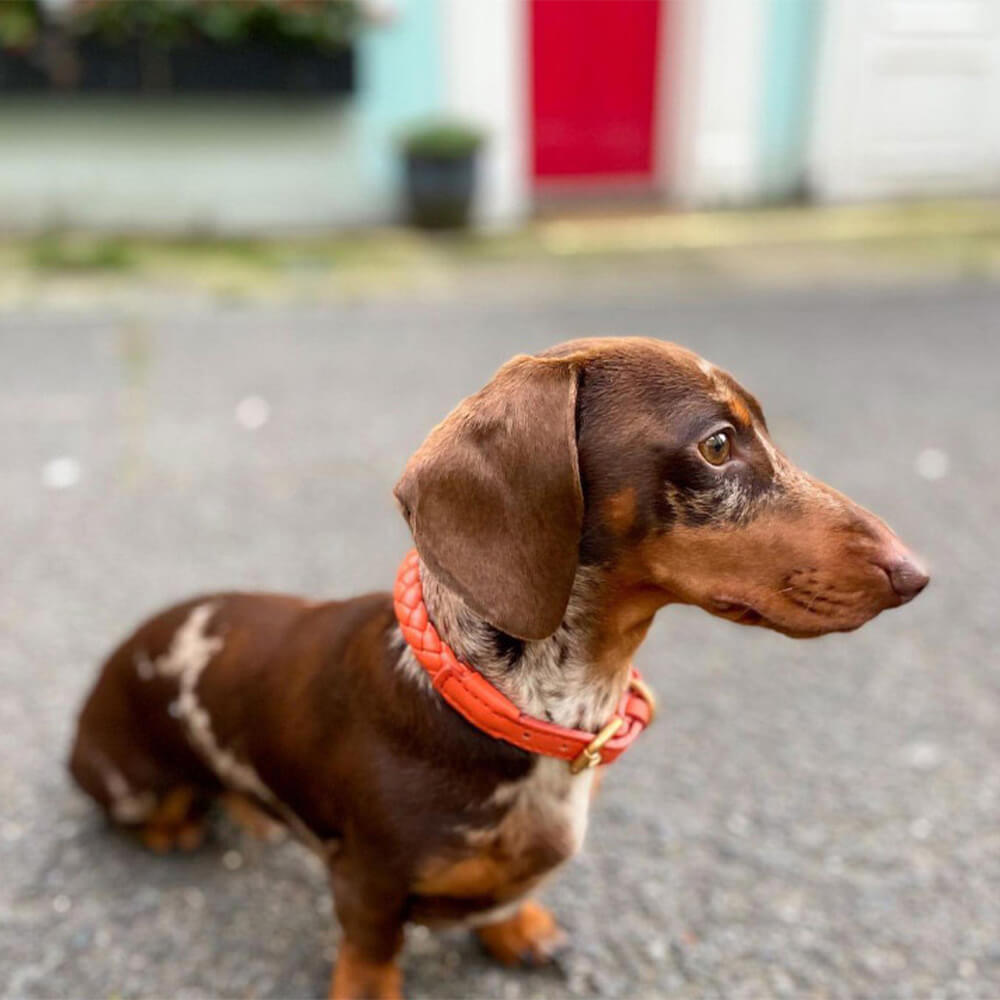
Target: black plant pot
column 439, row 190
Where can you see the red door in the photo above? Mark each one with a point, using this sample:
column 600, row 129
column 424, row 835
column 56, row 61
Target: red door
column 593, row 87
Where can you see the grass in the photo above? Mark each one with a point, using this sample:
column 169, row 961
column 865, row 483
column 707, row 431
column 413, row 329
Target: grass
column 950, row 238
column 76, row 252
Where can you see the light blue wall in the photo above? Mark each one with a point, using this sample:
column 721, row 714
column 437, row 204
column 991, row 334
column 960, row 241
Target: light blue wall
column 790, row 53
column 400, row 79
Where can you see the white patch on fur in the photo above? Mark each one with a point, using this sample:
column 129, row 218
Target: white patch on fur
column 144, row 666
column 551, row 798
column 191, row 650
column 127, row 806
column 557, row 799
column 486, row 917
column 550, row 804
column 407, row 662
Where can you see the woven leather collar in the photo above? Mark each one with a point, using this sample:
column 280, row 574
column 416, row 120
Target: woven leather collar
column 480, row 703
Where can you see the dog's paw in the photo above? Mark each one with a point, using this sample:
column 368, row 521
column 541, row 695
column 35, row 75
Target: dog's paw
column 357, row 978
column 163, row 840
column 531, row 937
column 176, row 824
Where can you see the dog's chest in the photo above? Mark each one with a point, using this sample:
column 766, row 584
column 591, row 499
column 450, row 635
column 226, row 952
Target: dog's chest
column 543, row 823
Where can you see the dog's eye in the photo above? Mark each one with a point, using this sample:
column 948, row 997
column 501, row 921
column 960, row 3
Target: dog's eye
column 715, row 449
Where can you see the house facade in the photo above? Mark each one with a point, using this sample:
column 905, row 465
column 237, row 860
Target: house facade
column 694, row 103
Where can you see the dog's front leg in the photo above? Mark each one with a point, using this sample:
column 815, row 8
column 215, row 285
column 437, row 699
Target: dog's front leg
column 370, row 908
column 529, row 936
column 359, row 976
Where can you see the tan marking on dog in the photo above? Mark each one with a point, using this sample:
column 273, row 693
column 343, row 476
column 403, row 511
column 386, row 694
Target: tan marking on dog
column 545, row 825
column 356, row 976
column 176, row 823
column 529, row 936
column 804, row 572
column 740, row 409
column 620, row 509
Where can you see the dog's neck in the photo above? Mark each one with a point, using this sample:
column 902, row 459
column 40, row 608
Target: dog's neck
column 576, row 677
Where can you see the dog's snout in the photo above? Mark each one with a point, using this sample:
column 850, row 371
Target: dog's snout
column 907, row 576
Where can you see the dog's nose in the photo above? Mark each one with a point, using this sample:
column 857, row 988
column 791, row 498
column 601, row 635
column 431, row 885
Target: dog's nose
column 907, row 577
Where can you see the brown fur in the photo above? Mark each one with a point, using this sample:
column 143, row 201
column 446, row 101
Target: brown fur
column 555, row 512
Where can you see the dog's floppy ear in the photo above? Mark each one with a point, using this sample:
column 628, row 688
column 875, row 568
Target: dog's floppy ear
column 493, row 496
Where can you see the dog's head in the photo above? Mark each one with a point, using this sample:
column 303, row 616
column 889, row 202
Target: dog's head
column 638, row 457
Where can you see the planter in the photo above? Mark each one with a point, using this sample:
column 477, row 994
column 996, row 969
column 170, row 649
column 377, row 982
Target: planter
column 259, row 68
column 439, row 189
column 107, row 69
column 199, row 67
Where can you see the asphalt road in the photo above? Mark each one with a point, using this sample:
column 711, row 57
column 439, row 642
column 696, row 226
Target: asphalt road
column 809, row 819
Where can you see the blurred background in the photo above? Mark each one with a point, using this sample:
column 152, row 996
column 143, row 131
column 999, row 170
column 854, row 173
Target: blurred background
column 251, row 251
column 202, row 116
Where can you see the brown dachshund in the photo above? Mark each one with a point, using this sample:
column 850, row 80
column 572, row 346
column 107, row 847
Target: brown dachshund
column 554, row 513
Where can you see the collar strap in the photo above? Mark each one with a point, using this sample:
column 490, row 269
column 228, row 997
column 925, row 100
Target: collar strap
column 481, row 704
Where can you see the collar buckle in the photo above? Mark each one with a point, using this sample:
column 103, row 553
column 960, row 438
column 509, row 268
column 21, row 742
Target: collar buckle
column 590, row 755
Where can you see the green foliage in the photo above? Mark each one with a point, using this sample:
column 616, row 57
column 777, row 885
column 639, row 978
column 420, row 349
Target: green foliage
column 444, row 139
column 20, row 23
column 56, row 251
column 323, row 24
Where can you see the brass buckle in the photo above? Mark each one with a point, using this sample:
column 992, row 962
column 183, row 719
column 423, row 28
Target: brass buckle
column 590, row 755
column 645, row 692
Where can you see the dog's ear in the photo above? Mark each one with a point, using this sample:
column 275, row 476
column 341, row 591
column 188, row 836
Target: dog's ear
column 493, row 496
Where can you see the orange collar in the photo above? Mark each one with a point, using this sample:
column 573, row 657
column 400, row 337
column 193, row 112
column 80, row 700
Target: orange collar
column 480, row 703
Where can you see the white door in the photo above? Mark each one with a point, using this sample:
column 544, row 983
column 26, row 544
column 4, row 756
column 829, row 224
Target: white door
column 908, row 99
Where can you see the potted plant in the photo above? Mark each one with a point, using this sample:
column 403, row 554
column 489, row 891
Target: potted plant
column 440, row 163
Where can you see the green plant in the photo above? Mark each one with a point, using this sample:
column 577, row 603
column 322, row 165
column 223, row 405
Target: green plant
column 323, row 24
column 20, row 24
column 58, row 251
column 443, row 139
column 115, row 22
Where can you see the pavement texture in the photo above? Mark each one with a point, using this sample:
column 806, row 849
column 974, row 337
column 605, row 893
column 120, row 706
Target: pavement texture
column 808, row 819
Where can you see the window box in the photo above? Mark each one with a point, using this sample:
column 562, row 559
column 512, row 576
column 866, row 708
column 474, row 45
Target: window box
column 197, row 67
column 202, row 67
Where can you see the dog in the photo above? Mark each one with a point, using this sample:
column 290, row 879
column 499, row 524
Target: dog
column 436, row 747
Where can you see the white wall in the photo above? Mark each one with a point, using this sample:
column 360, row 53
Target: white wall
column 486, row 80
column 180, row 164
column 909, row 99
column 718, row 121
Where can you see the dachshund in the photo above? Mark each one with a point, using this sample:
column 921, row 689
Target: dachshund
column 436, row 745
